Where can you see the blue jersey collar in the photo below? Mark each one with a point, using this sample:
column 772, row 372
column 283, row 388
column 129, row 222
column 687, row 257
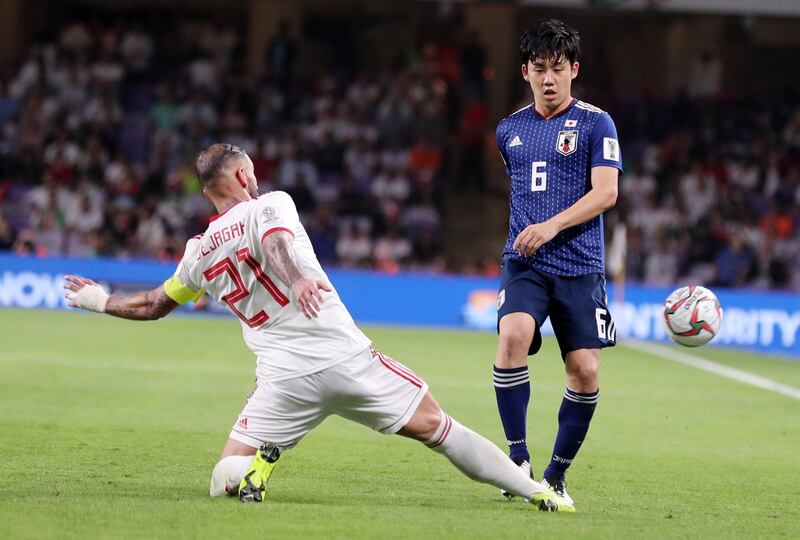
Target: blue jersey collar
column 540, row 117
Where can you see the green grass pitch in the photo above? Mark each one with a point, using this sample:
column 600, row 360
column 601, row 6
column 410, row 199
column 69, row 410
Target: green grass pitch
column 110, row 428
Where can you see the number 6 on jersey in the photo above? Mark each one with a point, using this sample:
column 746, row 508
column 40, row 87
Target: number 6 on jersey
column 538, row 176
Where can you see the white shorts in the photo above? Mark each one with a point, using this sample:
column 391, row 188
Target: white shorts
column 370, row 388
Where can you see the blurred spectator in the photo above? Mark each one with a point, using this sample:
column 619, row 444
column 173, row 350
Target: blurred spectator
column 353, row 248
column 7, row 237
column 391, row 250
column 661, row 266
column 166, row 111
column 48, row 234
column 734, row 264
column 391, row 184
column 322, row 234
column 473, row 63
column 136, row 49
column 705, row 80
column 280, row 55
column 472, row 135
column 424, row 159
column 25, row 244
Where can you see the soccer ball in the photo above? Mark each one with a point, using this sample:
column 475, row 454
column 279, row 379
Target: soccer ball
column 692, row 316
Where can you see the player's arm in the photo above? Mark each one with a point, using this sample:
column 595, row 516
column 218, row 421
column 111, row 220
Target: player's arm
column 600, row 198
column 140, row 306
column 277, row 246
column 500, row 136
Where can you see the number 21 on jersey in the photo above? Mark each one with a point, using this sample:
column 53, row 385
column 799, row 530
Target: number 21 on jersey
column 538, row 176
column 227, row 266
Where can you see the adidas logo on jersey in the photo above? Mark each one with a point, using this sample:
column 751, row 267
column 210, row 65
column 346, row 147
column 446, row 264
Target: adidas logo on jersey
column 515, row 142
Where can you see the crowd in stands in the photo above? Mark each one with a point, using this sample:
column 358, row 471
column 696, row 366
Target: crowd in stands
column 100, row 125
column 711, row 192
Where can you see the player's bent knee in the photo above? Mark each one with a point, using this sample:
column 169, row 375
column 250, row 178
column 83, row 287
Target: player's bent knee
column 583, row 376
column 516, row 332
column 425, row 421
column 514, row 344
column 426, row 424
column 218, row 486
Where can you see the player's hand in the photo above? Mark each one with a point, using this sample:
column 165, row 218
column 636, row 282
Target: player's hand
column 306, row 292
column 85, row 293
column 535, row 236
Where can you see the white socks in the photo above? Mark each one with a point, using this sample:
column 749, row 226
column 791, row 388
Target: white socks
column 228, row 473
column 480, row 459
column 473, row 455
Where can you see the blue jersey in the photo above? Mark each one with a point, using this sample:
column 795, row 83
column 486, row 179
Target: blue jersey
column 550, row 163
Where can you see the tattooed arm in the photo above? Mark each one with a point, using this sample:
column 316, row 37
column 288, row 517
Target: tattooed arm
column 140, row 306
column 281, row 260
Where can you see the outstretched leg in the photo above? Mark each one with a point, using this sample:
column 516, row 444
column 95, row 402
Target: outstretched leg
column 475, row 456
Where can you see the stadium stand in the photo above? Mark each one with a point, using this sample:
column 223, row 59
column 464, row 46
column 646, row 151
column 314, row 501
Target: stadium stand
column 98, row 143
column 100, row 124
column 712, row 190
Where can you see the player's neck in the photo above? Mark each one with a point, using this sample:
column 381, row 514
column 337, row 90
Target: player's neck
column 223, row 205
column 547, row 113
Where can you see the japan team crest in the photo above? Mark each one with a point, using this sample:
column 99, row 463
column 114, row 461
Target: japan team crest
column 567, row 142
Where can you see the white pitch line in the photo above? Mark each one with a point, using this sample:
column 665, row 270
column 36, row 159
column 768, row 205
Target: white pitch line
column 713, row 367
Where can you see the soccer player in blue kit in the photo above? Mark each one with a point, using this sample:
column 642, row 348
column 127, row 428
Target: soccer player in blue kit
column 563, row 158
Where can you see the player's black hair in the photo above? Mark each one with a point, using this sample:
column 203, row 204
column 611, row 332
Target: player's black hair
column 549, row 40
column 212, row 161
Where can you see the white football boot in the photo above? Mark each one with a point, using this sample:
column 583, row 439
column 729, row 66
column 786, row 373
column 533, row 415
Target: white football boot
column 559, row 487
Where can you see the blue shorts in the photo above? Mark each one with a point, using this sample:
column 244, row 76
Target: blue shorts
column 577, row 306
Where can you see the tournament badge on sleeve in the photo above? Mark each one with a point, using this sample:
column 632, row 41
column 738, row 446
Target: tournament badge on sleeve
column 610, row 149
column 567, row 142
column 269, row 215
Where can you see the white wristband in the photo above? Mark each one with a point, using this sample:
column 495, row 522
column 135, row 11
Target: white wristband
column 91, row 297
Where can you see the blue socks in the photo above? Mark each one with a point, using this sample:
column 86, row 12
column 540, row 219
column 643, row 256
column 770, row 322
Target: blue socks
column 573, row 423
column 513, row 390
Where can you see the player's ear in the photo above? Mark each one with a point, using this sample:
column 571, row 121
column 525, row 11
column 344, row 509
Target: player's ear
column 575, row 67
column 241, row 177
column 525, row 71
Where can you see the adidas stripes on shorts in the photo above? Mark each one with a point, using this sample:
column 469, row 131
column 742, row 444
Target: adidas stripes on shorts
column 370, row 388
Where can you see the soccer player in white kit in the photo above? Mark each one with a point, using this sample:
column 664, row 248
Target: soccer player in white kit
column 311, row 359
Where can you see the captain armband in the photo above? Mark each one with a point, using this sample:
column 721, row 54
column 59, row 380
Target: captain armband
column 181, row 293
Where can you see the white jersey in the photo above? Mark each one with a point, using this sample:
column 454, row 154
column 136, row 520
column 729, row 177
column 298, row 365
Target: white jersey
column 227, row 262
